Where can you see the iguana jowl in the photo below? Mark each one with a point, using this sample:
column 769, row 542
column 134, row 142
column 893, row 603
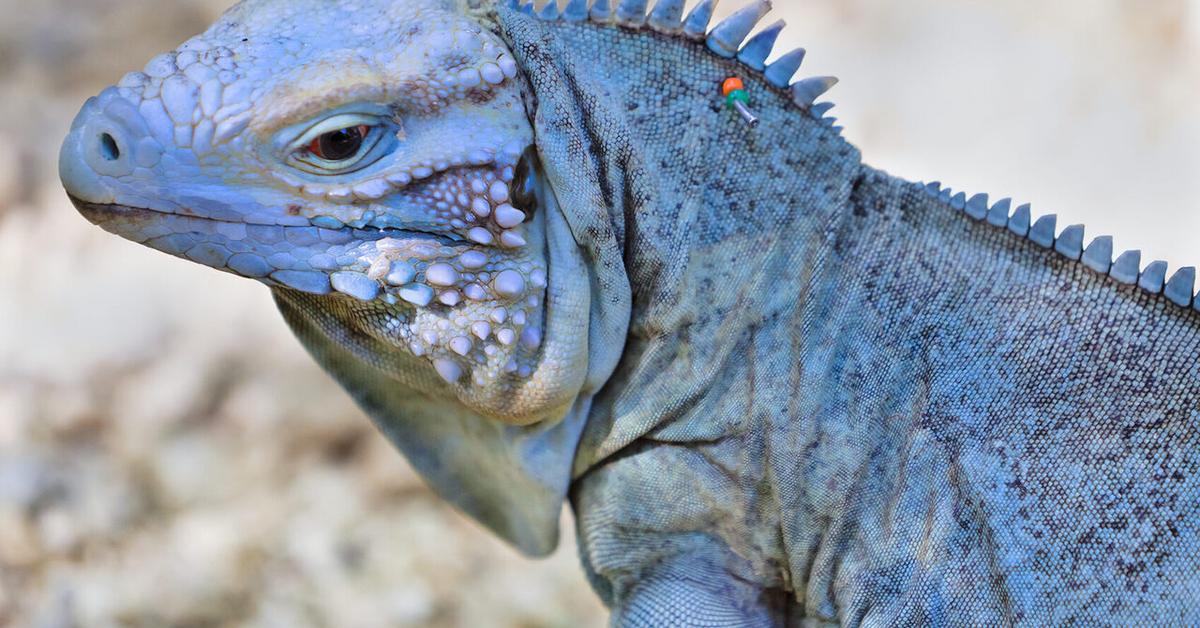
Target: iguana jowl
column 776, row 384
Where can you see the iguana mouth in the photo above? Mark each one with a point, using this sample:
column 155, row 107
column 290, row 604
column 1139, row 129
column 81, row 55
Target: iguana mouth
column 101, row 213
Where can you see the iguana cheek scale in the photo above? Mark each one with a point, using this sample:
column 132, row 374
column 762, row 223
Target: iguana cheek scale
column 774, row 383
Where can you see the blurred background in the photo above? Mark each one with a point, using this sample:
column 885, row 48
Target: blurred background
column 170, row 457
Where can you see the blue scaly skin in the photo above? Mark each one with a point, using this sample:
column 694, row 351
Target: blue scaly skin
column 777, row 386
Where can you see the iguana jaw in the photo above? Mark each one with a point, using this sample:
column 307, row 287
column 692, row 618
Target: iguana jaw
column 147, row 226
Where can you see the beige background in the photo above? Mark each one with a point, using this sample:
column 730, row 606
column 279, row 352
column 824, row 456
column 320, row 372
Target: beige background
column 169, row 457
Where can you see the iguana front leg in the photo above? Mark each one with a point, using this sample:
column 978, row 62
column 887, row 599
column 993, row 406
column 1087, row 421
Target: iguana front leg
column 683, row 548
column 693, row 592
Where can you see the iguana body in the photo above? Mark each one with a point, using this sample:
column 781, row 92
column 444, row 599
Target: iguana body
column 779, row 386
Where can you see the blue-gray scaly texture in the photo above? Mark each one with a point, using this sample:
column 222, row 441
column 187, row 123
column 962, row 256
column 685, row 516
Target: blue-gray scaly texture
column 815, row 393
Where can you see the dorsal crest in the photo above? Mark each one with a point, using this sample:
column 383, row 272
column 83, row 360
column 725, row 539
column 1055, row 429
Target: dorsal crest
column 730, row 38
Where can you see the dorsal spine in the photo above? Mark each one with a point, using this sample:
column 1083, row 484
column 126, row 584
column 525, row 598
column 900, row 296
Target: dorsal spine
column 727, row 39
column 1098, row 255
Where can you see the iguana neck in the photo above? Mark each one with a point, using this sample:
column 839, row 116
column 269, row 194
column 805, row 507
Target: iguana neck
column 712, row 227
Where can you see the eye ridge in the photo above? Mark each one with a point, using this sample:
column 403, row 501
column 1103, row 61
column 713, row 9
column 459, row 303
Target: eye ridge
column 341, row 144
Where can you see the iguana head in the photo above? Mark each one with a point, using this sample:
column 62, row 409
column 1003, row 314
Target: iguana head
column 290, row 145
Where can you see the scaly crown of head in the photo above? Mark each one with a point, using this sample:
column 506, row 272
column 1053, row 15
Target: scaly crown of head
column 304, row 153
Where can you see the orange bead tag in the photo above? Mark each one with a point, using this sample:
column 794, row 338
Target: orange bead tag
column 732, row 84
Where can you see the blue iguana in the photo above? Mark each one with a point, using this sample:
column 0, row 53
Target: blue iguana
column 777, row 386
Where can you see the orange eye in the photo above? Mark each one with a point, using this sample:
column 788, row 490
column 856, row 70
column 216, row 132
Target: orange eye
column 341, row 144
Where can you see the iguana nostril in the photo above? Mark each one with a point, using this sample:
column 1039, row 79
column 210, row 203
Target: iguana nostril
column 108, row 147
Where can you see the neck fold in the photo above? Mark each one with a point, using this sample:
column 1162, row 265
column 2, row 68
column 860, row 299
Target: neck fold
column 710, row 229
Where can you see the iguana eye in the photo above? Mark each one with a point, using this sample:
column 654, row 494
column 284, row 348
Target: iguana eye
column 341, row 144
